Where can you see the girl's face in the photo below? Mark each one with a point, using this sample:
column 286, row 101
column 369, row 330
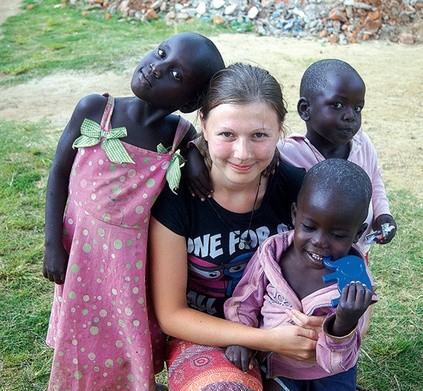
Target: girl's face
column 335, row 114
column 170, row 75
column 241, row 140
column 324, row 229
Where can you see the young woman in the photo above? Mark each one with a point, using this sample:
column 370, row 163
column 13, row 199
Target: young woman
column 198, row 250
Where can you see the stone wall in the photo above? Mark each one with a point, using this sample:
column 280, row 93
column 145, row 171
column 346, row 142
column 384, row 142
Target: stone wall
column 342, row 21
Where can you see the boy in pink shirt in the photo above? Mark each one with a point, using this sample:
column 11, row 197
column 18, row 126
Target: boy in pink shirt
column 332, row 96
column 287, row 272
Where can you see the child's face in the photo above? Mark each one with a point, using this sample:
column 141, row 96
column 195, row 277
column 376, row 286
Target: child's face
column 325, row 226
column 241, row 140
column 335, row 114
column 170, row 75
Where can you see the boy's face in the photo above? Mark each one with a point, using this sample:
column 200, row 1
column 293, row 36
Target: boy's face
column 335, row 114
column 170, row 75
column 325, row 226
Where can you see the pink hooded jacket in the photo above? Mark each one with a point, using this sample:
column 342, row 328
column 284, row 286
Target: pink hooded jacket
column 261, row 299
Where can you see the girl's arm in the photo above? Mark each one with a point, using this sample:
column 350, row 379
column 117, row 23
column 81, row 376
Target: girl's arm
column 380, row 202
column 168, row 267
column 197, row 175
column 191, row 135
column 195, row 171
column 55, row 256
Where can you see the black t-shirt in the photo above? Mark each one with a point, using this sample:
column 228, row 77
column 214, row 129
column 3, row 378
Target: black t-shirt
column 215, row 260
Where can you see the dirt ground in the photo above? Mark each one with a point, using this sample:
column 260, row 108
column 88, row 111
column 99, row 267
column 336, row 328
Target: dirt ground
column 393, row 115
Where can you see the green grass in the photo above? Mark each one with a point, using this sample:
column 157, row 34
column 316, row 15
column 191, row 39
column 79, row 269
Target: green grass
column 392, row 353
column 25, row 295
column 47, row 39
column 391, row 356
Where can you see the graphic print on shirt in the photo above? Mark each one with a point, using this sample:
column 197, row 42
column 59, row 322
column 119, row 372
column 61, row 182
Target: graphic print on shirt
column 275, row 296
column 216, row 265
column 212, row 246
column 208, row 281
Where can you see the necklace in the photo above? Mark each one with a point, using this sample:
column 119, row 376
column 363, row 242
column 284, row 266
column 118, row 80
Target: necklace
column 243, row 242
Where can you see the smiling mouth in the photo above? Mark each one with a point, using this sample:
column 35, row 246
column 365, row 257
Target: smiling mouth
column 144, row 77
column 315, row 257
column 237, row 167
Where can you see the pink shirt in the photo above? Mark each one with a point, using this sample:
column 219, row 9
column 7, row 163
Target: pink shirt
column 298, row 150
column 261, row 299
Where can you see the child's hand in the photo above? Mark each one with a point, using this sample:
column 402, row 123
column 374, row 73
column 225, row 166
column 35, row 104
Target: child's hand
column 240, row 356
column 55, row 264
column 354, row 300
column 197, row 175
column 377, row 226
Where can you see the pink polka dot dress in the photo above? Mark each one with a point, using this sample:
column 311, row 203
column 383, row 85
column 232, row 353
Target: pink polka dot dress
column 103, row 332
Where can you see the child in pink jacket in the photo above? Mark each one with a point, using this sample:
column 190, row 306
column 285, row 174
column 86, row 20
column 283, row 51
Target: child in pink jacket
column 332, row 96
column 287, row 272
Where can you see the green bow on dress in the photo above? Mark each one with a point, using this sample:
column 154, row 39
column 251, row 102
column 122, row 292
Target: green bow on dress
column 173, row 173
column 91, row 134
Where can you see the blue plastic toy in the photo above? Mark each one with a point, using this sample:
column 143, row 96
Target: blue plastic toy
column 347, row 269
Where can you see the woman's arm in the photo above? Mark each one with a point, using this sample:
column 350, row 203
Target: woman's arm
column 168, row 267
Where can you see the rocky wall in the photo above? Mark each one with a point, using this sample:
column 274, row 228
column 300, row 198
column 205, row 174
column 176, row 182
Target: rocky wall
column 335, row 21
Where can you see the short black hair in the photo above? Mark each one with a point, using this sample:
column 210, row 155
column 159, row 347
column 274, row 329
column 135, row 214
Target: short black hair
column 316, row 76
column 215, row 63
column 341, row 177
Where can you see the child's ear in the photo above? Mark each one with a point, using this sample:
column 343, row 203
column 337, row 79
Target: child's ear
column 303, row 107
column 190, row 106
column 293, row 213
column 360, row 232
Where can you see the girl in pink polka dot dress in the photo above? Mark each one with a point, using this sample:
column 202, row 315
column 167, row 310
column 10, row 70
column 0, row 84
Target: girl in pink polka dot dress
column 112, row 161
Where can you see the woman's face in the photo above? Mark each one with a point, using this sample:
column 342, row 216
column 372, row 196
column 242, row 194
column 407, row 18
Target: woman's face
column 242, row 140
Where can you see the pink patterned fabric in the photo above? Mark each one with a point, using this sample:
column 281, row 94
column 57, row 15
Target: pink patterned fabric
column 101, row 327
column 195, row 367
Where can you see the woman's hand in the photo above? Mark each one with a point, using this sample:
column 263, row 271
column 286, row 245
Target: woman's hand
column 294, row 342
column 298, row 341
column 308, row 322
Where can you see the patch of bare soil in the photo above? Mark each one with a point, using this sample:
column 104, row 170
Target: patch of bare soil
column 393, row 116
column 9, row 8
